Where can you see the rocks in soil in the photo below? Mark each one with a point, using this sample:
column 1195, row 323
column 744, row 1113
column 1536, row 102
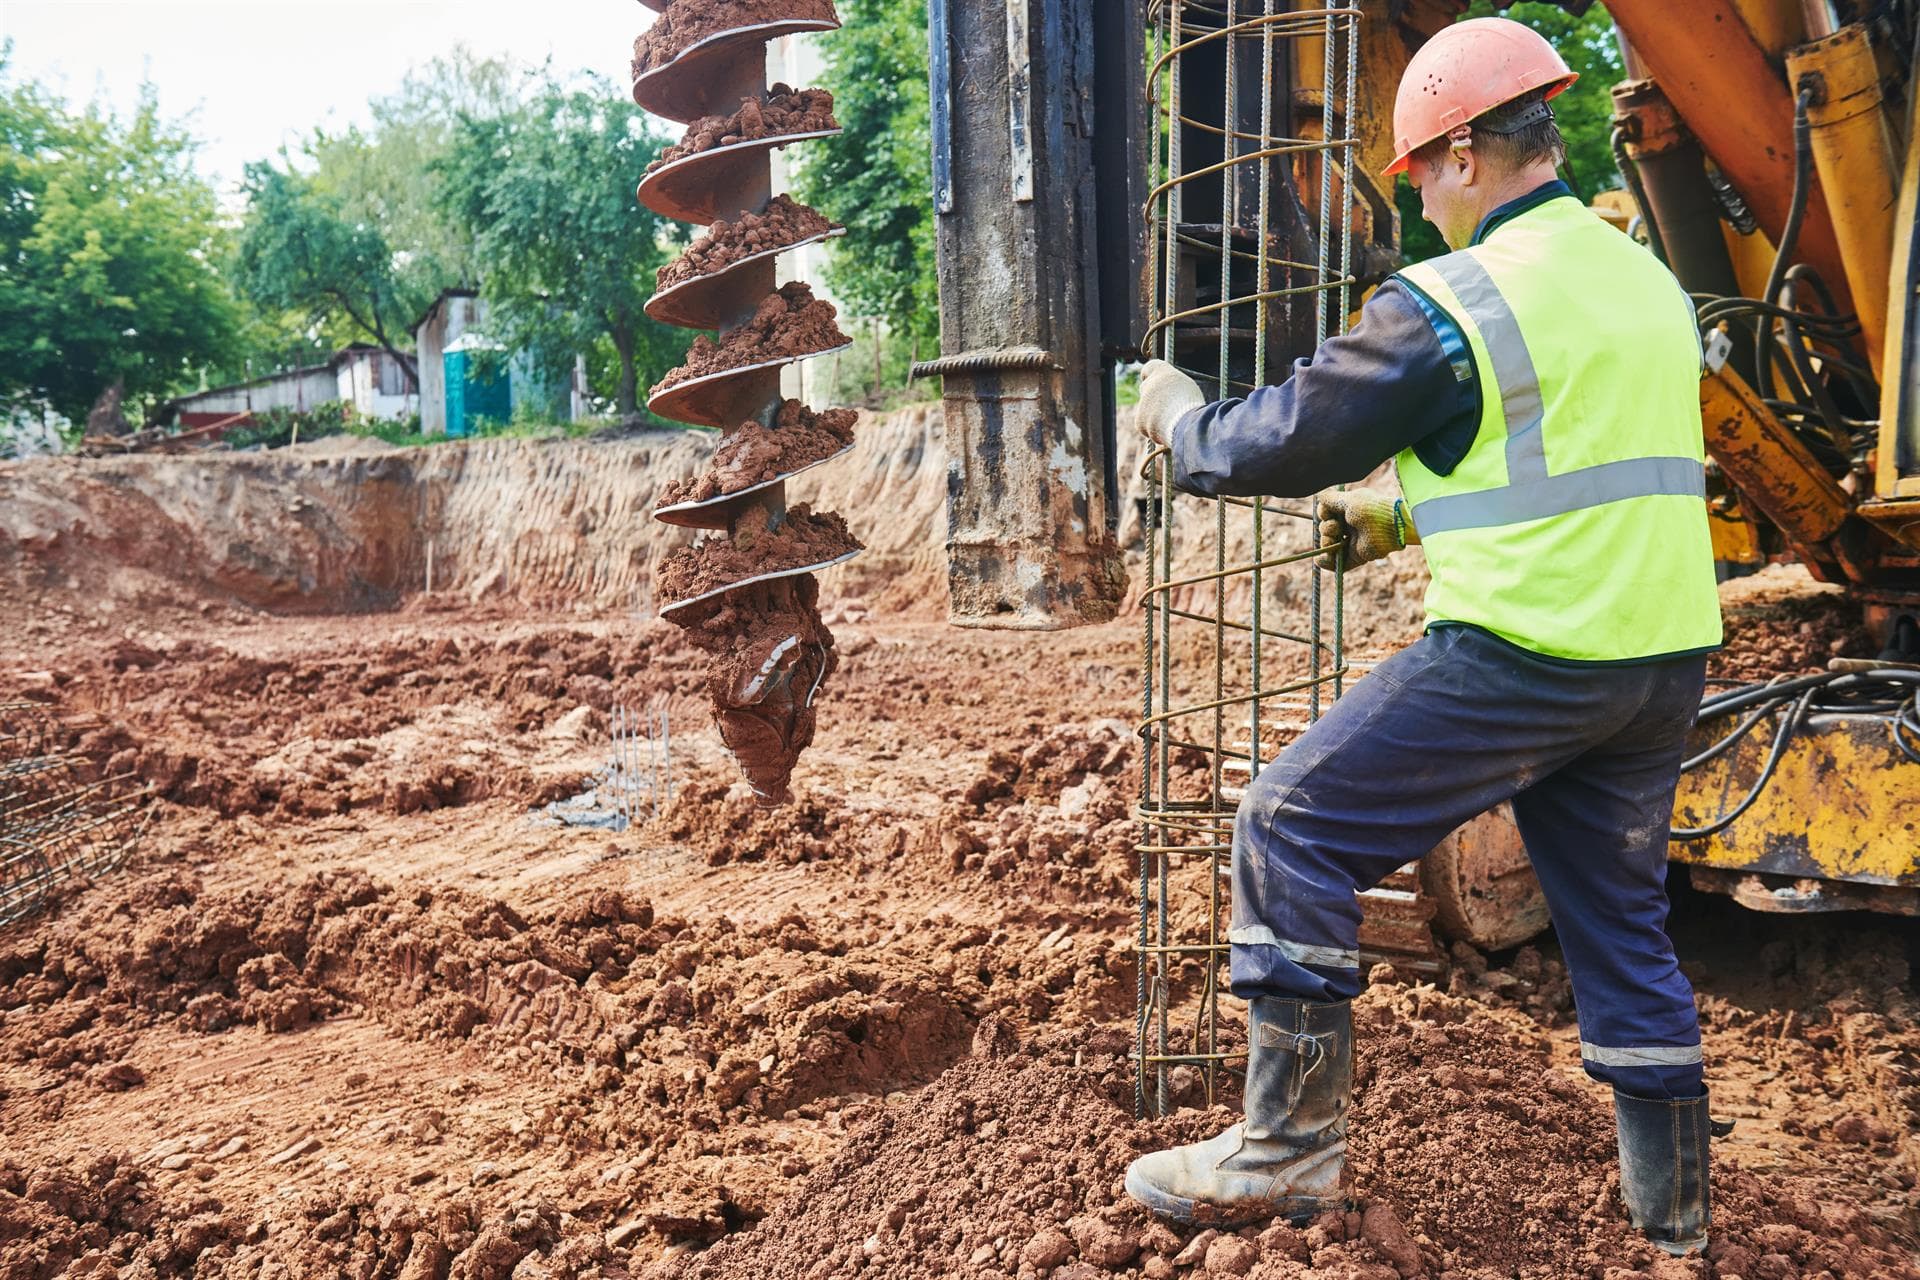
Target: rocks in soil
column 788, row 323
column 687, row 22
column 783, row 110
column 752, row 454
column 784, row 222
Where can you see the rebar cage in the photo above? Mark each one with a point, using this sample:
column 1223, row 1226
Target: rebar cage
column 1250, row 266
column 62, row 819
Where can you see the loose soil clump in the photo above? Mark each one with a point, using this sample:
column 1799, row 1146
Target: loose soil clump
column 805, row 537
column 786, row 325
column 784, row 110
column 688, row 22
column 784, row 222
column 753, row 454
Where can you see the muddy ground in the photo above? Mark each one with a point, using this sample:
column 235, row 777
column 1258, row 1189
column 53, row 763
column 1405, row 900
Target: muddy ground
column 354, row 1009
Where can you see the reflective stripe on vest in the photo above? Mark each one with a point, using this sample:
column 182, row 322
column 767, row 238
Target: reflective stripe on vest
column 1530, row 493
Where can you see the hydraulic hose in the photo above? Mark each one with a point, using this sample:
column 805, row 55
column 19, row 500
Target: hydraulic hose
column 1891, row 693
column 1789, row 236
column 1631, row 172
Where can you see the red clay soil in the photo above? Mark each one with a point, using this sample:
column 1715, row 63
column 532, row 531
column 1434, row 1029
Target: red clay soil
column 784, row 110
column 1781, row 622
column 349, row 1012
column 786, row 325
column 1471, row 1156
column 785, row 221
column 752, row 454
column 805, row 537
column 687, row 21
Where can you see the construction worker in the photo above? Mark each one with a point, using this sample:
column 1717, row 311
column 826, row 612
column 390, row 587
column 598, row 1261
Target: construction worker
column 1538, row 390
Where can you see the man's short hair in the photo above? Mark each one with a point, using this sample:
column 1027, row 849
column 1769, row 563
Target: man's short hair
column 1508, row 137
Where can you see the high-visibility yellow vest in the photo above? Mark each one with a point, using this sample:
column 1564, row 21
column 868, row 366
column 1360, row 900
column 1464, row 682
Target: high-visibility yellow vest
column 1575, row 526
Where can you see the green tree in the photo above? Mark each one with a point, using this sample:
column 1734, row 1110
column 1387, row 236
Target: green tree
column 1584, row 112
column 108, row 251
column 300, row 252
column 545, row 193
column 875, row 176
column 386, row 176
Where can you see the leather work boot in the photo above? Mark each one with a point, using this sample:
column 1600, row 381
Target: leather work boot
column 1285, row 1158
column 1663, row 1168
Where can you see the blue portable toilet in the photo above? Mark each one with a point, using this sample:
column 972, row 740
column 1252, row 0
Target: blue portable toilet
column 479, row 389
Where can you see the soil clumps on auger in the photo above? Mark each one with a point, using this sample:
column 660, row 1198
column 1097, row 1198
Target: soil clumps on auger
column 786, row 324
column 804, row 539
column 785, row 222
column 784, row 110
column 691, row 21
column 754, row 455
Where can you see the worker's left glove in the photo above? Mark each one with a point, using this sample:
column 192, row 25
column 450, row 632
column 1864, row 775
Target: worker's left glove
column 1368, row 523
column 1166, row 394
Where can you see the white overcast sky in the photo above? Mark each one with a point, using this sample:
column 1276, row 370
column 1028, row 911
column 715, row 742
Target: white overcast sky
column 253, row 74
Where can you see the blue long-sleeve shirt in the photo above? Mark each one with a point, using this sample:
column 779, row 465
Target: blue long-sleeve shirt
column 1402, row 378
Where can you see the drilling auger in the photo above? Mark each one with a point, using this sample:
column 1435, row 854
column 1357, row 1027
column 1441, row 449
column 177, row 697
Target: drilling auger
column 746, row 593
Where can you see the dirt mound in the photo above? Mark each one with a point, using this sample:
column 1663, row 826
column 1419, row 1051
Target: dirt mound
column 785, row 221
column 1471, row 1155
column 791, row 322
column 1781, row 622
column 424, row 721
column 784, row 110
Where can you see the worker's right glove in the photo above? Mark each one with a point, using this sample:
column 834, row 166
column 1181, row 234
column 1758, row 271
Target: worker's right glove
column 1367, row 523
column 1166, row 395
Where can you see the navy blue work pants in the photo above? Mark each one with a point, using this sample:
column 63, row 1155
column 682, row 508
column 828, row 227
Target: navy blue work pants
column 1445, row 730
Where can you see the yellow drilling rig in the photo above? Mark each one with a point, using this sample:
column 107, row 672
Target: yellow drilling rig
column 1771, row 154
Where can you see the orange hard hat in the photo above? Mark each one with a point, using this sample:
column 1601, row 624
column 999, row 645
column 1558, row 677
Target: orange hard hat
column 1465, row 70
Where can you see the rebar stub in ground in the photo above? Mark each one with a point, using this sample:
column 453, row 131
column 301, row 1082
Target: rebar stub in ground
column 676, row 74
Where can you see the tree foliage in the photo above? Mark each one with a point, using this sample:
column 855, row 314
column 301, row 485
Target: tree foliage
column 545, row 193
column 876, row 175
column 109, row 245
column 301, row 252
column 386, row 176
column 1583, row 112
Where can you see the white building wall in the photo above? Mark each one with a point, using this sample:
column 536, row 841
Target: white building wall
column 300, row 389
column 796, row 61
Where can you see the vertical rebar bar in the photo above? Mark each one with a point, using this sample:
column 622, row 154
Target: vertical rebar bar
column 1186, row 812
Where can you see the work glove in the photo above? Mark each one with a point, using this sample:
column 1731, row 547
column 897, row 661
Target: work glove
column 1367, row 523
column 1165, row 395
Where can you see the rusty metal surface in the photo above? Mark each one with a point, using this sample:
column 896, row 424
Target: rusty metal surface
column 1843, row 804
column 1034, row 178
column 1784, row 895
column 705, row 301
column 688, row 87
column 719, row 182
column 1770, row 466
column 1732, row 96
column 1482, row 885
